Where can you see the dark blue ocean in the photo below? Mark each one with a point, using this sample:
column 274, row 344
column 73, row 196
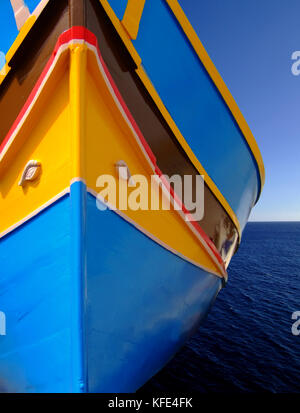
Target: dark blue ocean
column 246, row 343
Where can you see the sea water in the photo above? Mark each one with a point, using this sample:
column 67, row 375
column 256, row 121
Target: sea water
column 246, row 344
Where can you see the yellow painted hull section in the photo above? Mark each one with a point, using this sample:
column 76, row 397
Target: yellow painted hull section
column 108, row 140
column 44, row 136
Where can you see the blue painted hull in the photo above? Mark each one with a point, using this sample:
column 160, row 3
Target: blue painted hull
column 182, row 81
column 95, row 305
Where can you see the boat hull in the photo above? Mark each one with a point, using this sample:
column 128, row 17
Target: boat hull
column 99, row 300
column 103, row 310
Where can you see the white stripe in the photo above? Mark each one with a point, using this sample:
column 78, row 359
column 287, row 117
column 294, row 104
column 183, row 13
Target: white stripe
column 36, row 212
column 117, row 102
column 22, row 121
column 40, row 7
column 149, row 235
column 21, row 12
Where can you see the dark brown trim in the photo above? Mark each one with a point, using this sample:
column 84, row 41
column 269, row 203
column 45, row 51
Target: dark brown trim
column 77, row 13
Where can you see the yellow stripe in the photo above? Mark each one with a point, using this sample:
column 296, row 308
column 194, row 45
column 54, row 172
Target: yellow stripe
column 4, row 71
column 16, row 44
column 155, row 96
column 132, row 17
column 77, row 106
column 21, row 36
column 217, row 79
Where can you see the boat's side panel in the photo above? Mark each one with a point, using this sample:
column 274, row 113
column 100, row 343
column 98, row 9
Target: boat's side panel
column 143, row 302
column 37, row 295
column 45, row 136
column 208, row 126
column 105, row 123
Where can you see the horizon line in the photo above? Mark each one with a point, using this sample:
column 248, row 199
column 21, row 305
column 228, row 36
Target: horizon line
column 274, row 221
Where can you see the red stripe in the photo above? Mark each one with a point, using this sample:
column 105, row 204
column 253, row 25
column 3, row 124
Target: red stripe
column 81, row 33
column 28, row 102
column 126, row 110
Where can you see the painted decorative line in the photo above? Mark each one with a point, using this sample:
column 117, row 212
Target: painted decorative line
column 36, row 212
column 132, row 17
column 27, row 26
column 40, row 7
column 191, row 223
column 153, row 237
column 30, row 102
column 121, row 32
column 82, row 35
column 73, row 180
column 21, row 36
column 21, row 12
column 2, row 62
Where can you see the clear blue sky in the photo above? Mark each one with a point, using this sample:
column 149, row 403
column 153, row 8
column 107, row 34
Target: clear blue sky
column 251, row 43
